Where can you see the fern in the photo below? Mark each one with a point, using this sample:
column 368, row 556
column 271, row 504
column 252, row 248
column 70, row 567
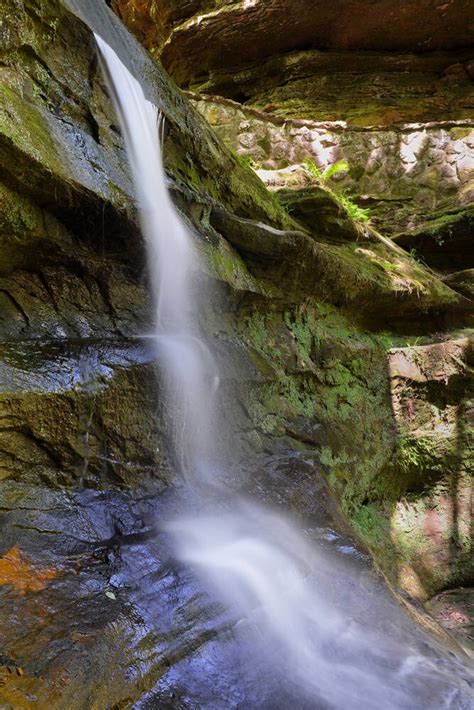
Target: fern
column 342, row 166
column 313, row 168
column 354, row 211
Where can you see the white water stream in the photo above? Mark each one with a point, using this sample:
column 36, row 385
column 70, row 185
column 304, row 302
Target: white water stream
column 253, row 560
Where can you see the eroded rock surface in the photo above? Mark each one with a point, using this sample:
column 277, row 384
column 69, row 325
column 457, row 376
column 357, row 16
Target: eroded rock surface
column 416, row 181
column 380, row 62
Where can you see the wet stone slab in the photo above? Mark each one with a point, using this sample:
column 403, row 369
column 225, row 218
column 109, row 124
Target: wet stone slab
column 95, row 611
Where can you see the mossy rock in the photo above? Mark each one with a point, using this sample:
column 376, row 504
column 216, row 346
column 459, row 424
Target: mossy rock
column 445, row 241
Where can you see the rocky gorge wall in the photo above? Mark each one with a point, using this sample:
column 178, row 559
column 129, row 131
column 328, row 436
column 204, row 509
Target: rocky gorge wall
column 407, row 175
column 385, row 93
column 335, row 341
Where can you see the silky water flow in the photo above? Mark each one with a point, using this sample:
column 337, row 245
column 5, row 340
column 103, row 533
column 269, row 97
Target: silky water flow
column 277, row 584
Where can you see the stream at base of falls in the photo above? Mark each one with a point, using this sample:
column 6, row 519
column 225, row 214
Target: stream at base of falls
column 125, row 624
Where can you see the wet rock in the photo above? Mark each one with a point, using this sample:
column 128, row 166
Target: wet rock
column 119, row 621
column 80, row 413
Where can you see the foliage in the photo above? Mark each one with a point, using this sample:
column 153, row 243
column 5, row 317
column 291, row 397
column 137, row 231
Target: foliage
column 415, row 454
column 355, row 212
column 313, row 168
column 325, row 175
column 342, row 166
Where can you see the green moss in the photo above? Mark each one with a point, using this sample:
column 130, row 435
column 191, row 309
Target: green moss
column 229, row 267
column 246, row 161
column 25, row 126
column 459, row 133
column 415, row 454
column 300, row 329
column 373, row 526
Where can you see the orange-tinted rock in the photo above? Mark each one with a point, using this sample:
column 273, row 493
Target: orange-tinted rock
column 16, row 570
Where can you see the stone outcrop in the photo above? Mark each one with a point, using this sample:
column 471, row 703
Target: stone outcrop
column 377, row 63
column 412, row 178
column 402, row 71
column 432, row 397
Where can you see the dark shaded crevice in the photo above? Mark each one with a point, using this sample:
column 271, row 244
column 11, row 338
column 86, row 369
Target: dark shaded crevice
column 17, row 305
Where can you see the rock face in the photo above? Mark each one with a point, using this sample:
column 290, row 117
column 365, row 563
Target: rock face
column 388, row 97
column 413, row 179
column 335, row 342
column 251, row 31
column 403, row 71
column 377, row 62
column 432, row 396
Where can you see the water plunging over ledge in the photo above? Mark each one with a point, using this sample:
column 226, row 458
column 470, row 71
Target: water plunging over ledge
column 283, row 589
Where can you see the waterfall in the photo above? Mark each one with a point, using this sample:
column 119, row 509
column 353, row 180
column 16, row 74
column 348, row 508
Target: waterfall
column 253, row 560
column 187, row 368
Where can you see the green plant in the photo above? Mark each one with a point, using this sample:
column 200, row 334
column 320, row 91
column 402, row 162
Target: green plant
column 415, row 454
column 313, row 168
column 353, row 210
column 325, row 175
column 342, row 166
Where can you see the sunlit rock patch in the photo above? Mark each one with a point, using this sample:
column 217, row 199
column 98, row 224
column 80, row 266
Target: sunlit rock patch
column 403, row 175
column 432, row 399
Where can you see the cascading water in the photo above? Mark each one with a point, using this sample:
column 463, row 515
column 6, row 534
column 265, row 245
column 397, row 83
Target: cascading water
column 256, row 562
column 187, row 367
